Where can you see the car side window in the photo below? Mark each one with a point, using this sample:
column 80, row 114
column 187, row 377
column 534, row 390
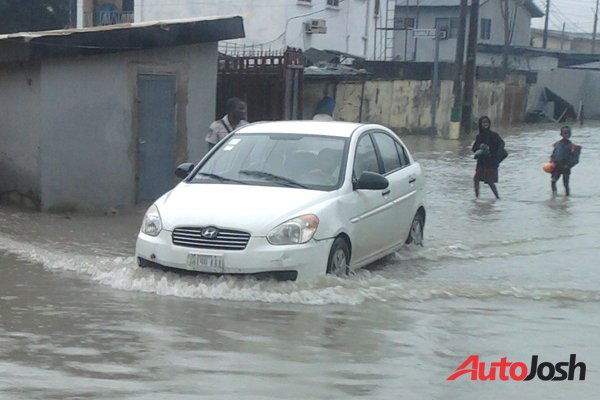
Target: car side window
column 388, row 151
column 404, row 160
column 366, row 157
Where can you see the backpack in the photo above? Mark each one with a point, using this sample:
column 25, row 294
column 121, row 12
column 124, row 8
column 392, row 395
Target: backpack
column 501, row 154
column 575, row 152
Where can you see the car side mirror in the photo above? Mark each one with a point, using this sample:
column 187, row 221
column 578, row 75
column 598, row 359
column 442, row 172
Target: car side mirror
column 184, row 170
column 371, row 181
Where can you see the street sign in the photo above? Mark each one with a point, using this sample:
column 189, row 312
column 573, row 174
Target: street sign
column 423, row 33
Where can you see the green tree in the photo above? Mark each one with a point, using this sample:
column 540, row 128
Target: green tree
column 36, row 15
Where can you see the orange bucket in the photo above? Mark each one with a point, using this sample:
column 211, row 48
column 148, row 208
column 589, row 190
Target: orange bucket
column 549, row 167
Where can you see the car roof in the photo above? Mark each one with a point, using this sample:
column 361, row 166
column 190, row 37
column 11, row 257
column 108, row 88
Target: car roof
column 328, row 128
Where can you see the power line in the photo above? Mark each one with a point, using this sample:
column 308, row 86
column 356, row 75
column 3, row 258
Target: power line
column 567, row 20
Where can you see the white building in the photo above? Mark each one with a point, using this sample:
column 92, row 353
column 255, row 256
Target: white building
column 444, row 14
column 356, row 27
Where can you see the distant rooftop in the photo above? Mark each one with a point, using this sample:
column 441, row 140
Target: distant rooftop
column 595, row 66
column 568, row 35
column 530, row 5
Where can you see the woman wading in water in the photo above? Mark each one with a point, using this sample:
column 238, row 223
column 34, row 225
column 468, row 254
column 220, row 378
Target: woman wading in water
column 488, row 149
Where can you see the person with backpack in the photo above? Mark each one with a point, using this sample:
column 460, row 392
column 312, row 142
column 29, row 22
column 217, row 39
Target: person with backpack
column 565, row 155
column 489, row 152
column 235, row 117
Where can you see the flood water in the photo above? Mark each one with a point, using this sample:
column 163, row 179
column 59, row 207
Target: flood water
column 510, row 278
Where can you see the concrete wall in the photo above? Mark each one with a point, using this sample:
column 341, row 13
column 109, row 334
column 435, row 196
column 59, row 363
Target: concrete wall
column 277, row 23
column 404, row 106
column 572, row 85
column 20, row 131
column 521, row 62
column 556, row 43
column 69, row 126
column 583, row 46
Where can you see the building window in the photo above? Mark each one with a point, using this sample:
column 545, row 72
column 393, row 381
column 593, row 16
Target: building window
column 128, row 5
column 485, row 33
column 333, row 3
column 448, row 25
column 404, row 23
column 305, row 2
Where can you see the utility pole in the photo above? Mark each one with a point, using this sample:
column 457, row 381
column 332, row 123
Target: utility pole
column 471, row 68
column 545, row 42
column 435, row 81
column 459, row 62
column 562, row 38
column 414, row 55
column 595, row 27
column 405, row 31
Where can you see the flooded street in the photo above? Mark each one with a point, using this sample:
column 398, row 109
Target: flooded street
column 511, row 278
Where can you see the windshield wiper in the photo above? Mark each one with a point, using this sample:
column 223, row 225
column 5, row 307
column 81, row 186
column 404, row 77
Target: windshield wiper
column 220, row 178
column 272, row 177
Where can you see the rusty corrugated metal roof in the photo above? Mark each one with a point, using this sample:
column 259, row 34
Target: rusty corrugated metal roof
column 26, row 46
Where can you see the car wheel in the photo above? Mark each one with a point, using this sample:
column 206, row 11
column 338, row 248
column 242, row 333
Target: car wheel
column 415, row 236
column 339, row 258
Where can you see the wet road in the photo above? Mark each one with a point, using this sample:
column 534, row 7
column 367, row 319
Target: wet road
column 508, row 278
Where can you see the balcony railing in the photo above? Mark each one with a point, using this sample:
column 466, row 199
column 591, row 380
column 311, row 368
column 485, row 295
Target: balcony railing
column 114, row 17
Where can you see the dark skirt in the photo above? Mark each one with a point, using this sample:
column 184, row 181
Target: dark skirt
column 487, row 175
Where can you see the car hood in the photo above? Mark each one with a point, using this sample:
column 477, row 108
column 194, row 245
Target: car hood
column 254, row 209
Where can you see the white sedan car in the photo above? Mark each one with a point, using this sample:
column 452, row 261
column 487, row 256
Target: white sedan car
column 292, row 200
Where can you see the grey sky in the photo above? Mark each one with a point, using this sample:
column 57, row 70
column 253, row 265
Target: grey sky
column 578, row 15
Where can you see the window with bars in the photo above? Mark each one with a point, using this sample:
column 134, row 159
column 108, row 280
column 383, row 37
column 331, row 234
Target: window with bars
column 333, row 3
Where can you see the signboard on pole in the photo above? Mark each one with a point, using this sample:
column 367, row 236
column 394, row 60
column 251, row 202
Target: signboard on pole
column 424, row 33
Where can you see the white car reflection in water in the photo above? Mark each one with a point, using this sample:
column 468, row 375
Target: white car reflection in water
column 293, row 199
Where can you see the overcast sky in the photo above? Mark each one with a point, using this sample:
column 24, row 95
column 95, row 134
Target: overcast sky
column 578, row 15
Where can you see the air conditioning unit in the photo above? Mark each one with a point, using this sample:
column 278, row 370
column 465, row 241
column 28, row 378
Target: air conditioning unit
column 315, row 26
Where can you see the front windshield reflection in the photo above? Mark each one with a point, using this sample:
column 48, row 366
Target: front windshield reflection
column 287, row 160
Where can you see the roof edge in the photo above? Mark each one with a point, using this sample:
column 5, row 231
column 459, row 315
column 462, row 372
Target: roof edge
column 28, row 46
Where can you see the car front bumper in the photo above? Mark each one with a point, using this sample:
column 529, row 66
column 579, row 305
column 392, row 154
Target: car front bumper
column 309, row 260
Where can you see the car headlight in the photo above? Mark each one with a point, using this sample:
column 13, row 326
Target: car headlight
column 152, row 224
column 295, row 231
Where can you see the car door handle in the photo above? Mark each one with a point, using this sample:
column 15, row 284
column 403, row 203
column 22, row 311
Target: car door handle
column 412, row 179
column 386, row 192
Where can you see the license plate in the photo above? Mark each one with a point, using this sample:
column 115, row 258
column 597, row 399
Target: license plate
column 205, row 262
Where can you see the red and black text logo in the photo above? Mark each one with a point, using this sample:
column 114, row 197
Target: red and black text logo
column 519, row 371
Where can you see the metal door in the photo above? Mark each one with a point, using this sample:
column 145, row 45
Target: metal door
column 403, row 184
column 369, row 211
column 156, row 135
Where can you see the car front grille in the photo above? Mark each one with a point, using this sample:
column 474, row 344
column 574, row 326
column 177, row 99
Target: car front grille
column 225, row 240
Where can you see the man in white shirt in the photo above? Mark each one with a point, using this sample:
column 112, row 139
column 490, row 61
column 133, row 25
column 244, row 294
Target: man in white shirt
column 324, row 110
column 235, row 117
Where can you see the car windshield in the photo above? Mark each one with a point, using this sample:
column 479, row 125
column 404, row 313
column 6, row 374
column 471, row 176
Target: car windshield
column 289, row 160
